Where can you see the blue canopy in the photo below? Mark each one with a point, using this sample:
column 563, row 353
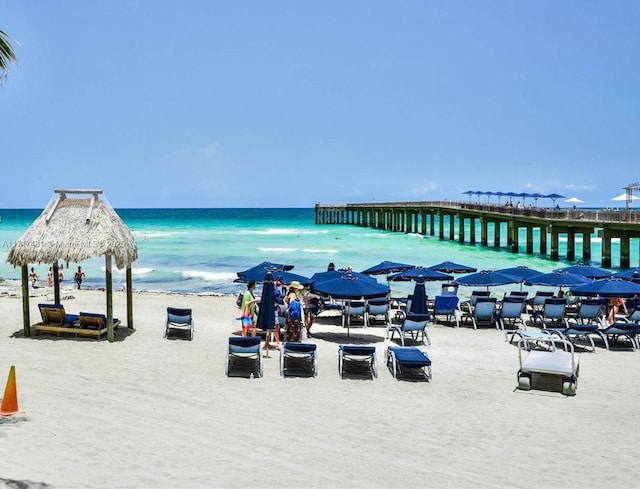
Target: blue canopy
column 387, row 267
column 319, row 277
column 419, row 273
column 266, row 311
column 351, row 286
column 608, row 287
column 558, row 279
column 450, row 267
column 632, row 273
column 264, row 267
column 487, row 278
column 585, row 271
column 521, row 272
column 287, row 277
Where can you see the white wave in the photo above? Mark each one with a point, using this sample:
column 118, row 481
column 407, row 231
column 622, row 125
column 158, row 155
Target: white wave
column 209, row 276
column 277, row 250
column 316, row 250
column 283, row 232
column 134, row 271
column 154, row 234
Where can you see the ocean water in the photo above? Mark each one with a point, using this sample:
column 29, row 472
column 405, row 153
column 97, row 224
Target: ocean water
column 199, row 251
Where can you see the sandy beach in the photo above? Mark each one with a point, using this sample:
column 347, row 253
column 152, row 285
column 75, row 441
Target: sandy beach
column 148, row 412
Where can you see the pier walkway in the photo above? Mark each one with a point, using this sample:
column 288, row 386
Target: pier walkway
column 451, row 220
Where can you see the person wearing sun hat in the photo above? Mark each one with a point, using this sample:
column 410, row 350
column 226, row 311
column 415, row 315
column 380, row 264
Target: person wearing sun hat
column 294, row 328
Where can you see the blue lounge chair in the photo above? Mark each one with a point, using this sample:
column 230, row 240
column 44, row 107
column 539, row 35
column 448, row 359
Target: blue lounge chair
column 485, row 313
column 378, row 308
column 400, row 358
column 363, row 355
column 413, row 325
column 246, row 350
column 449, row 289
column 620, row 329
column 447, row 306
column 354, row 309
column 303, row 354
column 510, row 315
column 536, row 303
column 552, row 314
column 466, row 307
column 180, row 319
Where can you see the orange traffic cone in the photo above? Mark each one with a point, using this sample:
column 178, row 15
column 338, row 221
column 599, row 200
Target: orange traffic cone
column 10, row 399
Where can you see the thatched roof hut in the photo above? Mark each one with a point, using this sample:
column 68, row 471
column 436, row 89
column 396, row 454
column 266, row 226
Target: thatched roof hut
column 76, row 225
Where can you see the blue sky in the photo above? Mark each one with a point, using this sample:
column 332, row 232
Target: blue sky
column 204, row 103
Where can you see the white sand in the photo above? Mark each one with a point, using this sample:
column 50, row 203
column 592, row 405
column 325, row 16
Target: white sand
column 149, row 412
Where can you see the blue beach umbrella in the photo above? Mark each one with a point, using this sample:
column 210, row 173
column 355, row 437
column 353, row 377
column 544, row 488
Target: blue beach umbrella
column 608, row 287
column 264, row 267
column 287, row 277
column 487, row 278
column 554, row 197
column 521, row 272
column 536, row 196
column 451, row 267
column 385, row 267
column 558, row 279
column 632, row 273
column 417, row 273
column 320, row 277
column 351, row 286
column 585, row 271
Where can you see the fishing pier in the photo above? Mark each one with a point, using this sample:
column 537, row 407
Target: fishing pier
column 497, row 226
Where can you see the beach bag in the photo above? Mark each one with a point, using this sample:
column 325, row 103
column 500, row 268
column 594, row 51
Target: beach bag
column 295, row 310
column 239, row 300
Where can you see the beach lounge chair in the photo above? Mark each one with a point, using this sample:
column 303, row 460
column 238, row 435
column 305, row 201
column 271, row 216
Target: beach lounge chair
column 552, row 314
column 510, row 315
column 485, row 313
column 413, row 325
column 244, row 351
column 356, row 310
column 449, row 289
column 379, row 308
column 447, row 306
column 536, row 303
column 304, row 356
column 466, row 307
column 563, row 364
column 590, row 312
column 180, row 319
column 55, row 315
column 622, row 329
column 401, row 359
column 358, row 354
column 588, row 324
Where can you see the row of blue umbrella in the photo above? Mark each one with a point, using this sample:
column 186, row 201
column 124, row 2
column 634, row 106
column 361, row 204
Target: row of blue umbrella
column 522, row 195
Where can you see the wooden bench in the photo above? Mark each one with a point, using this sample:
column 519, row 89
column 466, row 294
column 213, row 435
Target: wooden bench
column 89, row 324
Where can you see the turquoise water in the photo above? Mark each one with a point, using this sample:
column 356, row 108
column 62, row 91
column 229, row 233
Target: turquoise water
column 200, row 250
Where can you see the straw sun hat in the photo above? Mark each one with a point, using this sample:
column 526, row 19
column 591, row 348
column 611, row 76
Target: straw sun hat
column 296, row 285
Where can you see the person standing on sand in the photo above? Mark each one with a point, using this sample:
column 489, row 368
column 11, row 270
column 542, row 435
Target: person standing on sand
column 33, row 276
column 294, row 326
column 78, row 277
column 50, row 277
column 249, row 310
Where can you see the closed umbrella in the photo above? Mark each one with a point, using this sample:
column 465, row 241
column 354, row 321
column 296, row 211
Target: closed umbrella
column 266, row 312
column 419, row 301
column 586, row 271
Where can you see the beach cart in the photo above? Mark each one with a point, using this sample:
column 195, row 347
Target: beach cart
column 553, row 363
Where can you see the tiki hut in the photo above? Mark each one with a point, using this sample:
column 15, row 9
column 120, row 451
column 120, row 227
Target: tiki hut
column 76, row 225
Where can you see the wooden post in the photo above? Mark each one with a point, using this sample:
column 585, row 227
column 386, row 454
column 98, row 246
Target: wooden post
column 56, row 283
column 571, row 245
column 461, row 236
column 129, row 298
column 543, row 240
column 497, row 228
column 555, row 253
column 26, row 321
column 529, row 240
column 109, row 287
column 586, row 245
column 624, row 251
